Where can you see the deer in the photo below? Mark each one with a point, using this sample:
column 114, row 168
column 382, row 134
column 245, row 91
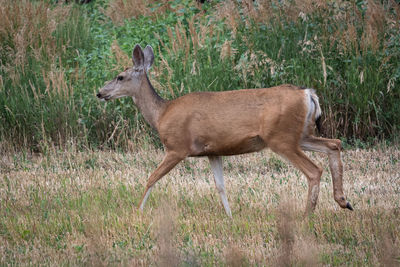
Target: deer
column 226, row 123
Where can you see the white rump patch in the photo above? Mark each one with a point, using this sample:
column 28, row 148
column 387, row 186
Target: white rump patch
column 313, row 108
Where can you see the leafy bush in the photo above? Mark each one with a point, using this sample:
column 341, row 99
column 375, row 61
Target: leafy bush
column 55, row 56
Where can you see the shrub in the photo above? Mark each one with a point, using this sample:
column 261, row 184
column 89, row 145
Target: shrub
column 39, row 41
column 55, row 56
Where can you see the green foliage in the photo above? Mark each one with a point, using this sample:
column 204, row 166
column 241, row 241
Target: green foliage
column 36, row 100
column 50, row 76
column 359, row 86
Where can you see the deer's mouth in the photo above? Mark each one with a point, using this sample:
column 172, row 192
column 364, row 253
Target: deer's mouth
column 103, row 97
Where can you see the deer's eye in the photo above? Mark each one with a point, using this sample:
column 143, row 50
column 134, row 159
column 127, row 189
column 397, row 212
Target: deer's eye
column 120, row 78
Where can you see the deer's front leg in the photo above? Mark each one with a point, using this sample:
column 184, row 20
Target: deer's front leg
column 170, row 160
column 216, row 166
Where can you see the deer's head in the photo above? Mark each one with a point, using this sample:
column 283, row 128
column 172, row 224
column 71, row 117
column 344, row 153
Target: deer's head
column 128, row 82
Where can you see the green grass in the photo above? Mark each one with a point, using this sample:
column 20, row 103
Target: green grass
column 217, row 46
column 79, row 208
column 66, row 200
column 37, row 105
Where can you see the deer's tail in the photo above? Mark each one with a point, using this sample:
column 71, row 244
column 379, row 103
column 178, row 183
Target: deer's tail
column 314, row 109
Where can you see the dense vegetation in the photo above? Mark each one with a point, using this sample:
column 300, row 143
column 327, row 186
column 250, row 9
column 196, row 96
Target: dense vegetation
column 73, row 203
column 55, row 56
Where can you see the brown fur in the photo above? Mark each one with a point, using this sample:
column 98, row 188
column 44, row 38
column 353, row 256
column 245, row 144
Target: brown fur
column 232, row 122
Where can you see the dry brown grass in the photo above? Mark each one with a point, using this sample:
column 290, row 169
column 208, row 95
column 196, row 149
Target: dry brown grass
column 36, row 43
column 252, row 63
column 184, row 44
column 119, row 10
column 76, row 207
column 264, row 11
column 188, row 40
column 166, row 217
column 122, row 60
column 234, row 256
column 26, row 30
column 285, row 225
column 228, row 10
column 345, row 15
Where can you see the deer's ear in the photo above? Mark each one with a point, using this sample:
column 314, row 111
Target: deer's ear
column 148, row 57
column 138, row 56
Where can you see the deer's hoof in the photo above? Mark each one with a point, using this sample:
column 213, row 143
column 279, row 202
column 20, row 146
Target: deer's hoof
column 348, row 206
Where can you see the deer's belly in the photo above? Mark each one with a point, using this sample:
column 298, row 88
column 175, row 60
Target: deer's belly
column 228, row 147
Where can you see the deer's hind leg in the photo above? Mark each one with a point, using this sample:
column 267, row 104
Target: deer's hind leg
column 332, row 148
column 313, row 173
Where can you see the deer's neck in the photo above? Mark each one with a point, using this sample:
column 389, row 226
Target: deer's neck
column 150, row 104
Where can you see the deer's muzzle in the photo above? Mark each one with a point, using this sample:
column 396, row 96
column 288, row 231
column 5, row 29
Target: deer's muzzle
column 103, row 97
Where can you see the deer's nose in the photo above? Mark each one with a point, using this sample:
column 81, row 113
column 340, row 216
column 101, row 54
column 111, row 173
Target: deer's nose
column 98, row 95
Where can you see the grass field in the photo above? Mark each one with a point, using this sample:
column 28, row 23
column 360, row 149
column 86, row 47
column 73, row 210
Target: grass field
column 74, row 207
column 69, row 186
